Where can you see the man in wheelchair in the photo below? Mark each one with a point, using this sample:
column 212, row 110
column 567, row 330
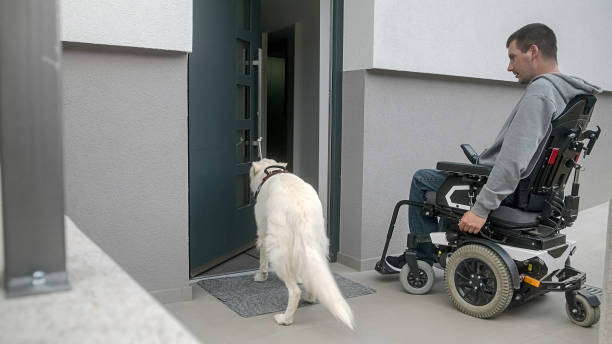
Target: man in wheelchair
column 498, row 234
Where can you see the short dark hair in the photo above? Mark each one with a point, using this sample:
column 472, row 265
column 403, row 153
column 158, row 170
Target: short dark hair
column 540, row 35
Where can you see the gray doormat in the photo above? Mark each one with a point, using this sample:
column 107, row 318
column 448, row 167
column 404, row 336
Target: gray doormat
column 249, row 298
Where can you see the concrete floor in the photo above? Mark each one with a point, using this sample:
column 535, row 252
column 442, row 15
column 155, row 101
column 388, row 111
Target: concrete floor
column 393, row 316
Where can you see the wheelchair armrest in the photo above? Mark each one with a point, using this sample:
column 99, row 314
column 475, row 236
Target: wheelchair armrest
column 457, row 167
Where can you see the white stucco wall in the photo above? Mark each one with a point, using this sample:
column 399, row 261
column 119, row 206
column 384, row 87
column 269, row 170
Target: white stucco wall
column 358, row 40
column 467, row 38
column 155, row 24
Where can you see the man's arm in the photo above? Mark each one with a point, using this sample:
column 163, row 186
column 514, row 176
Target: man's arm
column 530, row 126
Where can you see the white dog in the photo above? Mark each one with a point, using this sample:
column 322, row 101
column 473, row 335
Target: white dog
column 291, row 237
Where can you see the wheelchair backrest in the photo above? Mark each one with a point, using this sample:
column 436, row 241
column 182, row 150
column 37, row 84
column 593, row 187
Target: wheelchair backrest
column 562, row 149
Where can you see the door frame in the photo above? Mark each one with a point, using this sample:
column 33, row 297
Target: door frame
column 330, row 88
column 335, row 130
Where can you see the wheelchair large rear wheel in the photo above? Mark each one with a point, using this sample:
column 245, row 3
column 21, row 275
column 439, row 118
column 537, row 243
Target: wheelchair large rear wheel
column 478, row 282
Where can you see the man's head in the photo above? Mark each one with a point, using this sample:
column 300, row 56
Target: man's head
column 532, row 50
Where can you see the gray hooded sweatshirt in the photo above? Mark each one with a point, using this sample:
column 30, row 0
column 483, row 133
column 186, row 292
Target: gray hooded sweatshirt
column 518, row 145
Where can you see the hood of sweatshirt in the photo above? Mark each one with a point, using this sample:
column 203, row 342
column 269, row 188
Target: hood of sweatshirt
column 569, row 86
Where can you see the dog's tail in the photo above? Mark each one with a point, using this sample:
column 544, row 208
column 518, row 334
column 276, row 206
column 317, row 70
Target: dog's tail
column 317, row 279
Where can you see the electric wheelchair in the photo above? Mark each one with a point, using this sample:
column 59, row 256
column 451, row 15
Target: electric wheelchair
column 518, row 254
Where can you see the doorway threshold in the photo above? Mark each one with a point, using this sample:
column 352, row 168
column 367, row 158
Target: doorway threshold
column 242, row 264
column 197, row 279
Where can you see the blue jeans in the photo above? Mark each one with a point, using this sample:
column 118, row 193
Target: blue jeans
column 423, row 181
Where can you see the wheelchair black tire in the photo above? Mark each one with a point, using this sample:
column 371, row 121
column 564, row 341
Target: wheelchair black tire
column 503, row 282
column 426, row 278
column 588, row 315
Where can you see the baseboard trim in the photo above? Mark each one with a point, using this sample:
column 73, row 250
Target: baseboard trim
column 173, row 295
column 357, row 264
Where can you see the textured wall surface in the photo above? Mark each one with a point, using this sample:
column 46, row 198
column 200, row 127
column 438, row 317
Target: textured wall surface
column 156, row 24
column 351, row 198
column 468, row 38
column 125, row 130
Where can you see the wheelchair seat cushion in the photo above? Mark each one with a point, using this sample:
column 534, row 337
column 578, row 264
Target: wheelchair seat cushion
column 503, row 216
column 514, row 218
column 457, row 167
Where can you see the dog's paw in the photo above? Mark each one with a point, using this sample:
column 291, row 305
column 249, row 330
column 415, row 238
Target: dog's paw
column 281, row 319
column 308, row 297
column 261, row 276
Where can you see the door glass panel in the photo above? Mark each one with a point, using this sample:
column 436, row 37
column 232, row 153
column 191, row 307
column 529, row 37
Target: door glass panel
column 242, row 190
column 243, row 102
column 243, row 62
column 242, row 146
column 243, row 14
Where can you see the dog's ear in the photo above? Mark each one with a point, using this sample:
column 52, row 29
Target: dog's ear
column 284, row 164
column 255, row 167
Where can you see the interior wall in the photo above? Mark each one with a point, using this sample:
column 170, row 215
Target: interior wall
column 125, row 139
column 305, row 16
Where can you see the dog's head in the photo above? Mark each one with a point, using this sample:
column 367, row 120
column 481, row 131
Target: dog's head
column 256, row 173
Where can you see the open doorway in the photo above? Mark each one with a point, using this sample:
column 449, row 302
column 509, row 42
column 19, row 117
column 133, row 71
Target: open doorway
column 279, row 99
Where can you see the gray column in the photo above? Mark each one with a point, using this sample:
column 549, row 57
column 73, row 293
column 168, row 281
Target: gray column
column 30, row 148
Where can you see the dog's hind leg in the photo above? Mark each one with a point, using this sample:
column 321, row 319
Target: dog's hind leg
column 294, row 298
column 262, row 274
column 309, row 297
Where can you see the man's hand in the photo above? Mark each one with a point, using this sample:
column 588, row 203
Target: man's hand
column 471, row 222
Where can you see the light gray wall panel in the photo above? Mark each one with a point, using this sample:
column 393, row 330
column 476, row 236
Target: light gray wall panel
column 351, row 204
column 126, row 158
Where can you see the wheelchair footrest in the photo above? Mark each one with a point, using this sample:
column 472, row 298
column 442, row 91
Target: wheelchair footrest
column 382, row 268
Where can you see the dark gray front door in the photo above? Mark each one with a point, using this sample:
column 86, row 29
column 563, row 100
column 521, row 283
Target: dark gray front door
column 222, row 126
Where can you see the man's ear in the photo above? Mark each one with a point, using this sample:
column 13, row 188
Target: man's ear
column 534, row 51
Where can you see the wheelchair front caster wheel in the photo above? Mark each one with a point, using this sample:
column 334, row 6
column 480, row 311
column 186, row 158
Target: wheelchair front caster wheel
column 419, row 282
column 584, row 315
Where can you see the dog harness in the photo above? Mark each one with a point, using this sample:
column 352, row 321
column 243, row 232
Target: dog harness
column 277, row 170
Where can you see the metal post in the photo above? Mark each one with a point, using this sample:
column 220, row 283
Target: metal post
column 605, row 329
column 31, row 148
